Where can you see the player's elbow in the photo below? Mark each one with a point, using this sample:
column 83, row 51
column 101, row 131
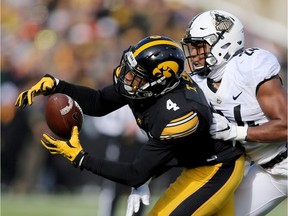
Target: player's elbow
column 137, row 181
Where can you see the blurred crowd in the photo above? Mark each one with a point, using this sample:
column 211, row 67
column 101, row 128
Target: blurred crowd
column 80, row 42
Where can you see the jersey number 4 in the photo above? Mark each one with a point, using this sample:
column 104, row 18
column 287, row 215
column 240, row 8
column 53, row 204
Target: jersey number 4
column 171, row 105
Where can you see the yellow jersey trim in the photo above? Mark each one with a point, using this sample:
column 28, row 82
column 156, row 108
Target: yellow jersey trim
column 181, row 127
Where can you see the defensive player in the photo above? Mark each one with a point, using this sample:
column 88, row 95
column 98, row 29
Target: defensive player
column 173, row 111
column 244, row 86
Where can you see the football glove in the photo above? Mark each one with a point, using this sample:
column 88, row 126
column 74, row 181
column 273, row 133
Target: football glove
column 222, row 129
column 45, row 87
column 137, row 195
column 71, row 149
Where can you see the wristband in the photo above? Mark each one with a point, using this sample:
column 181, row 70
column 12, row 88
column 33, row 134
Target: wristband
column 79, row 159
column 241, row 133
column 56, row 81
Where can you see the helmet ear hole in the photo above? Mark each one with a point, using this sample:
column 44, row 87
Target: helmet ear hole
column 227, row 56
column 225, row 46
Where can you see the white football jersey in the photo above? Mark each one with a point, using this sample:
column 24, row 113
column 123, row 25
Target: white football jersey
column 236, row 96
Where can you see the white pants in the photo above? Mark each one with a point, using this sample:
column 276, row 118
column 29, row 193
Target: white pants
column 260, row 191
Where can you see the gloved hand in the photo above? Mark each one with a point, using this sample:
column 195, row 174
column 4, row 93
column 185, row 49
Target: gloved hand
column 45, row 87
column 137, row 195
column 71, row 149
column 221, row 128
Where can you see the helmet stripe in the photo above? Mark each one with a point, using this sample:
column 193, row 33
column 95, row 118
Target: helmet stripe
column 155, row 43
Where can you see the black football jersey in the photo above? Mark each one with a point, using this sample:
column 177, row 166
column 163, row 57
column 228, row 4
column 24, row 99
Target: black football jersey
column 177, row 124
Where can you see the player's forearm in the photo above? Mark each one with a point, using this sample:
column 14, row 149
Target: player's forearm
column 272, row 131
column 124, row 173
column 93, row 102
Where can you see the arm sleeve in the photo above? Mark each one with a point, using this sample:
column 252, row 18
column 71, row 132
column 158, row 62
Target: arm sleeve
column 265, row 66
column 93, row 102
column 151, row 160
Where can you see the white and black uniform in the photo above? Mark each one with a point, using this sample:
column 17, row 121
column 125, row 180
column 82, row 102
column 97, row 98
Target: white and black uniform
column 236, row 100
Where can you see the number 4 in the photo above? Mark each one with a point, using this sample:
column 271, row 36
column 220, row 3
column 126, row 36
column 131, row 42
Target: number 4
column 171, row 105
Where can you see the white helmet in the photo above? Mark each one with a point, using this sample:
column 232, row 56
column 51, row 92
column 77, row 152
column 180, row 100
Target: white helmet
column 224, row 34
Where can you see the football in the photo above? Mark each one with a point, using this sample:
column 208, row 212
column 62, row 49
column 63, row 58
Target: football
column 62, row 113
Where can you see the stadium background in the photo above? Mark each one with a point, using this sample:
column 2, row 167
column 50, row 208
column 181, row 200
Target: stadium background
column 82, row 42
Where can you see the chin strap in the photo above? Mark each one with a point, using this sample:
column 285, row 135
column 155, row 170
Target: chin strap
column 217, row 73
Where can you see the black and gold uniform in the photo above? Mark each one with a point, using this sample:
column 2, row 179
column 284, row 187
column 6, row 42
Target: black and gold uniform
column 177, row 123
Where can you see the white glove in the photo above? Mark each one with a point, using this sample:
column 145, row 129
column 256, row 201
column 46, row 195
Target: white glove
column 137, row 195
column 221, row 128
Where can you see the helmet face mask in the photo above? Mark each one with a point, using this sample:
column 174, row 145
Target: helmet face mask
column 152, row 67
column 133, row 77
column 198, row 54
column 224, row 34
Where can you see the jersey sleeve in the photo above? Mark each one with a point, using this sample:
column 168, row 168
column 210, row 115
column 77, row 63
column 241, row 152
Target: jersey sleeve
column 93, row 102
column 180, row 113
column 264, row 66
column 152, row 159
column 180, row 127
column 172, row 117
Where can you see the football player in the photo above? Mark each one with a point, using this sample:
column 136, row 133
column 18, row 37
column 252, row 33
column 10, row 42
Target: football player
column 244, row 87
column 173, row 111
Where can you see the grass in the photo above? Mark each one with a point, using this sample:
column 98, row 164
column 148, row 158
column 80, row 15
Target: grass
column 47, row 205
column 281, row 210
column 70, row 205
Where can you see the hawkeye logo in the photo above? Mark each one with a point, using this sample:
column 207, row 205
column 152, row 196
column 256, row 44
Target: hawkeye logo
column 166, row 69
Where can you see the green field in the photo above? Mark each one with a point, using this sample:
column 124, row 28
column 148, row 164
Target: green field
column 70, row 205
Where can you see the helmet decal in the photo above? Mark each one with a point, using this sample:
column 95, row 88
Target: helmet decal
column 221, row 22
column 131, row 59
column 167, row 69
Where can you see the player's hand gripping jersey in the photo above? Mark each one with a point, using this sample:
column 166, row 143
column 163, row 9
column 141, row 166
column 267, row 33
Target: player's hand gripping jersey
column 239, row 84
column 236, row 96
